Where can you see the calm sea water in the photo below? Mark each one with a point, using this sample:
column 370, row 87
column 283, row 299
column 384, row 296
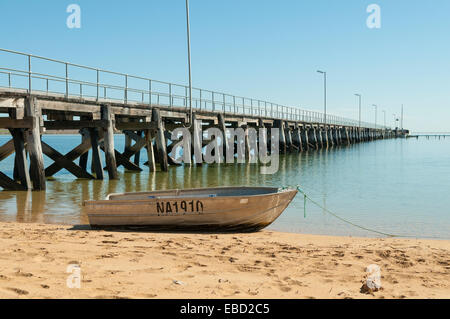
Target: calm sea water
column 396, row 186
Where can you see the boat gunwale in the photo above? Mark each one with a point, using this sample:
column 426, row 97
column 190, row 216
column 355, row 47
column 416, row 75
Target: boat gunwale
column 127, row 201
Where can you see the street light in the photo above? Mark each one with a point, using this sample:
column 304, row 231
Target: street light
column 325, row 95
column 376, row 107
column 360, row 97
column 189, row 60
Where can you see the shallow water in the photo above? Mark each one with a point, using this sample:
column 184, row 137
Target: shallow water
column 398, row 186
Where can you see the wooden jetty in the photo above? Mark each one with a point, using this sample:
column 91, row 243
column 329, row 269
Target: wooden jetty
column 146, row 116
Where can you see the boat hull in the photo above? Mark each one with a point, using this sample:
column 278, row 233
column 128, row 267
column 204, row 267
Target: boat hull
column 224, row 214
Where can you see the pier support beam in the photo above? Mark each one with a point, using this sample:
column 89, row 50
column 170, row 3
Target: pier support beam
column 34, row 147
column 263, row 140
column 331, row 141
column 334, row 136
column 288, row 135
column 304, row 137
column 161, row 145
column 150, row 152
column 280, row 125
column 319, row 137
column 314, row 137
column 346, row 135
column 197, row 140
column 111, row 164
column 96, row 166
column 297, row 139
column 84, row 157
column 223, row 127
column 21, row 165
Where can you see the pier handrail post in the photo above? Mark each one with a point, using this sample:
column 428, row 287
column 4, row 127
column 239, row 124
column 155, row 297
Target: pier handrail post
column 126, row 89
column 34, row 146
column 29, row 74
column 67, row 80
column 111, row 164
column 150, row 92
column 98, row 80
column 223, row 96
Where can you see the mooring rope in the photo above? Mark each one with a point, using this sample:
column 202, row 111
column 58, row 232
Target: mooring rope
column 306, row 198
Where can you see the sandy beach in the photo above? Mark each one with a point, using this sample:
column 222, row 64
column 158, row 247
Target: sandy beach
column 34, row 260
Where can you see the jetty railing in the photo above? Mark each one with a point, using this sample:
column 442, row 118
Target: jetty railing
column 74, row 80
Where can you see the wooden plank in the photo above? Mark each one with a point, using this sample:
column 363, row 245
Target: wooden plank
column 34, row 147
column 110, row 157
column 161, row 141
column 304, row 137
column 6, row 149
column 150, row 153
column 6, row 122
column 197, row 140
column 20, row 162
column 68, row 106
column 97, row 166
column 63, row 162
column 136, row 148
column 288, row 135
column 84, row 157
column 122, row 160
column 297, row 140
column 223, row 127
column 135, row 126
column 71, row 156
column 8, row 184
column 74, row 125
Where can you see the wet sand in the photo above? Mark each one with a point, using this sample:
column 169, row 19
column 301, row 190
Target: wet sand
column 34, row 260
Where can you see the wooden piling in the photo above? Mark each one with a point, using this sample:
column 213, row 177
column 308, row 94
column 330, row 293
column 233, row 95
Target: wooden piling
column 21, row 165
column 96, row 166
column 288, row 136
column 161, row 145
column 111, row 164
column 34, row 147
column 297, row 139
column 150, row 151
column 304, row 137
column 280, row 125
column 223, row 127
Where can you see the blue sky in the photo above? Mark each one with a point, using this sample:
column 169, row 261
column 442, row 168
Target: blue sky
column 259, row 48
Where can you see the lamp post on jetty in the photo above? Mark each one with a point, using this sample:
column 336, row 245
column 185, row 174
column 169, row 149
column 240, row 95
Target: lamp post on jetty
column 376, row 108
column 360, row 97
column 189, row 60
column 324, row 96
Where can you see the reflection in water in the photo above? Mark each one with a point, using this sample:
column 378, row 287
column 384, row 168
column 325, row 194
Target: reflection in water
column 395, row 186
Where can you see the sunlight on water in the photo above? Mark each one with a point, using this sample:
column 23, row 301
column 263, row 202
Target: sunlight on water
column 395, row 186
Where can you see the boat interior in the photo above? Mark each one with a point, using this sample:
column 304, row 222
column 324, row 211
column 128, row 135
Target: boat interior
column 195, row 193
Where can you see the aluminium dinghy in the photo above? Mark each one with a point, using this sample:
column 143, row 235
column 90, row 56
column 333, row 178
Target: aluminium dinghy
column 225, row 209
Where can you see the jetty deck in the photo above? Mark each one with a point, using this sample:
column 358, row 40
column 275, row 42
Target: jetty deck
column 146, row 111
